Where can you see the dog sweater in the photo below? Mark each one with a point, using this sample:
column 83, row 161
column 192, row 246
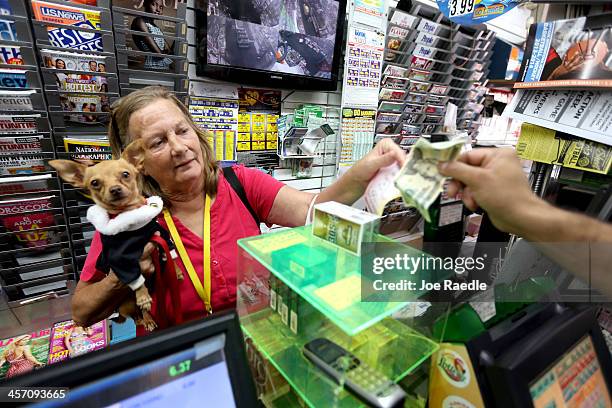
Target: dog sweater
column 124, row 238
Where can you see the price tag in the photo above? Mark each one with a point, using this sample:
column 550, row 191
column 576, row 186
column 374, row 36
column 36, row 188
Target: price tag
column 460, row 7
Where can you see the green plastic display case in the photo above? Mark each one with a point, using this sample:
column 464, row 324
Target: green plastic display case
column 294, row 287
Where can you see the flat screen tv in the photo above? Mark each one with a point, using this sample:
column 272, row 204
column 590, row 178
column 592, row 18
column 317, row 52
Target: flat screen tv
column 292, row 44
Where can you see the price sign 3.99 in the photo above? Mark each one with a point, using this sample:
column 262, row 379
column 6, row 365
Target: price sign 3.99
column 470, row 12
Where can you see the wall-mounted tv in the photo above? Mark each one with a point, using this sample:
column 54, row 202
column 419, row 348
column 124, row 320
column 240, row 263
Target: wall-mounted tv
column 293, row 44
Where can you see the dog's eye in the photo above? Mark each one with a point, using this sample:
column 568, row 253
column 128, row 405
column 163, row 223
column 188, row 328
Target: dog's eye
column 125, row 174
column 95, row 183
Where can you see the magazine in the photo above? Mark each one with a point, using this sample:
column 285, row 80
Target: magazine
column 69, row 15
column 7, row 30
column 84, row 104
column 73, row 61
column 22, row 144
column 81, row 83
column 18, row 216
column 26, row 164
column 5, row 8
column 24, row 184
column 16, row 100
column 19, row 124
column 22, row 354
column 13, row 78
column 91, row 150
column 10, row 54
column 69, row 340
column 568, row 53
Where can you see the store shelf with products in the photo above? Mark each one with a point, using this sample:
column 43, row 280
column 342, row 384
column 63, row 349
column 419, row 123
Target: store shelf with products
column 35, row 256
column 294, row 288
column 157, row 56
column 441, row 63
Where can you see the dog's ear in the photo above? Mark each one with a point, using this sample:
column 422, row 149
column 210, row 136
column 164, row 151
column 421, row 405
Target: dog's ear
column 70, row 171
column 134, row 154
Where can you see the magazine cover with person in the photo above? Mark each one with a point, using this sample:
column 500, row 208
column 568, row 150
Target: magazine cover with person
column 568, row 53
column 69, row 340
column 24, row 353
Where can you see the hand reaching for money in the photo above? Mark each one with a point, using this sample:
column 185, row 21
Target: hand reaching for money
column 419, row 180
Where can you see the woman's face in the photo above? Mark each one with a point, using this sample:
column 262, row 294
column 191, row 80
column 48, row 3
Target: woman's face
column 173, row 155
column 59, row 64
column 155, row 7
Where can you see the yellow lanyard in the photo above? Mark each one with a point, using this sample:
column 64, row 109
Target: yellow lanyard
column 203, row 291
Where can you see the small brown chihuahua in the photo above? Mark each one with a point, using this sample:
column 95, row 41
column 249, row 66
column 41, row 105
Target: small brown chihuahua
column 115, row 187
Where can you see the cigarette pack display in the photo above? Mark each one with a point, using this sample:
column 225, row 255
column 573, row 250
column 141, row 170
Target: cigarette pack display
column 392, row 94
column 388, row 117
column 11, row 55
column 13, row 78
column 419, row 75
column 390, row 106
column 412, row 118
column 22, row 164
column 411, row 130
column 89, row 149
column 24, row 353
column 437, row 99
column 16, row 100
column 386, row 128
column 23, row 145
column 429, row 27
column 413, row 108
column 54, row 13
column 398, row 32
column 421, row 63
column 395, row 71
column 344, row 226
column 394, row 82
column 403, row 19
column 416, row 97
column 73, row 61
column 26, row 217
column 69, row 340
column 418, row 86
column 438, row 89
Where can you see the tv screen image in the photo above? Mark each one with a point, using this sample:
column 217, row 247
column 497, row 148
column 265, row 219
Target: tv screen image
column 287, row 37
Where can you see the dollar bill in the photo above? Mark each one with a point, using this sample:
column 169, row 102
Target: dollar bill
column 419, row 180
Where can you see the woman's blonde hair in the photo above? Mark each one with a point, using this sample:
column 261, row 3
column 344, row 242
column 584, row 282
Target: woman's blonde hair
column 119, row 137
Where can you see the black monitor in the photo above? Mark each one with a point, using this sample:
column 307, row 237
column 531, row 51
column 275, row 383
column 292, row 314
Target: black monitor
column 292, row 44
column 198, row 364
column 546, row 356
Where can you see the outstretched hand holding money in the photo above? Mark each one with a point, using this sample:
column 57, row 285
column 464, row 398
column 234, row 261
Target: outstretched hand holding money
column 419, row 180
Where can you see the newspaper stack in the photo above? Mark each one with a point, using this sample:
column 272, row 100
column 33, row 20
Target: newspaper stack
column 419, row 181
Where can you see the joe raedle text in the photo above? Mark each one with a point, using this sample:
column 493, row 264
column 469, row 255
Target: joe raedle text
column 423, row 285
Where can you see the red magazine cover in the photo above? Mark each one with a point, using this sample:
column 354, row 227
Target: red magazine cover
column 16, row 216
column 69, row 340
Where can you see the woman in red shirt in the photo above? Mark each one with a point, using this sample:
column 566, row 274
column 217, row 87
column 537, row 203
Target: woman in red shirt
column 178, row 165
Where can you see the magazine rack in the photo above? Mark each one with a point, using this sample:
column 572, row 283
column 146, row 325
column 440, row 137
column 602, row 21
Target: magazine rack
column 35, row 258
column 426, row 52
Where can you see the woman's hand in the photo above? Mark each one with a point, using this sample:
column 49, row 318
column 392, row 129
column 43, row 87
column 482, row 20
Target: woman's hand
column 384, row 154
column 348, row 188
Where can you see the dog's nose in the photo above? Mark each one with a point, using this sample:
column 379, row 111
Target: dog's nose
column 115, row 190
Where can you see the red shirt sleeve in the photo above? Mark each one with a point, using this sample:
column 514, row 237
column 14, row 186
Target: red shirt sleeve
column 260, row 188
column 89, row 272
